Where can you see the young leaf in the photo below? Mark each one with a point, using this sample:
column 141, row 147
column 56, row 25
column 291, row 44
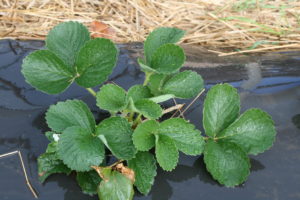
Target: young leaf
column 116, row 133
column 49, row 135
column 144, row 66
column 115, row 186
column 148, row 108
column 143, row 136
column 49, row 163
column 52, row 147
column 144, row 167
column 156, row 82
column 166, row 152
column 95, row 62
column 221, row 108
column 66, row 39
column 186, row 138
column 253, row 131
column 70, row 113
column 168, row 59
column 112, row 98
column 162, row 98
column 159, row 37
column 138, row 92
column 226, row 162
column 46, row 72
column 186, row 84
column 79, row 149
column 88, row 181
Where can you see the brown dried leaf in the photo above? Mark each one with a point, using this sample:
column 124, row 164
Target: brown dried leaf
column 100, row 29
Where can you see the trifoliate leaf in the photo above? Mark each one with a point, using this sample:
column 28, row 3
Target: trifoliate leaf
column 162, row 98
column 112, row 98
column 186, row 138
column 186, row 84
column 156, row 82
column 79, row 149
column 144, row 66
column 253, row 131
column 166, row 152
column 66, row 39
column 115, row 186
column 88, row 181
column 226, row 162
column 46, row 72
column 49, row 163
column 138, row 92
column 221, row 108
column 70, row 113
column 144, row 167
column 95, row 62
column 143, row 136
column 116, row 134
column 148, row 108
column 168, row 59
column 159, row 37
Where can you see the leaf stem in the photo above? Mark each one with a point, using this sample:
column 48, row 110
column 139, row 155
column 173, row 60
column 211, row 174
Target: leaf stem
column 147, row 78
column 137, row 120
column 91, row 91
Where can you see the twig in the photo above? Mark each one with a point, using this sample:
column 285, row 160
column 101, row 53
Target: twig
column 193, row 101
column 24, row 170
column 176, row 107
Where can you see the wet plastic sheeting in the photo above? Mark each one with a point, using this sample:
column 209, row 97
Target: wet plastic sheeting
column 268, row 82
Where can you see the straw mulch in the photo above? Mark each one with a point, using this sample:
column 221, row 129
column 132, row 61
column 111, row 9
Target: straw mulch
column 222, row 26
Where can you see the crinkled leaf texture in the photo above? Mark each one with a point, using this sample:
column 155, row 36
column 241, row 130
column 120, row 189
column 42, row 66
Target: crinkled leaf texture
column 115, row 186
column 144, row 167
column 79, row 149
column 95, row 62
column 88, row 182
column 186, row 84
column 70, row 113
column 49, row 163
column 221, row 108
column 138, row 92
column 116, row 134
column 66, row 39
column 148, row 108
column 226, row 162
column 168, row 59
column 168, row 137
column 112, row 98
column 253, row 131
column 159, row 37
column 46, row 72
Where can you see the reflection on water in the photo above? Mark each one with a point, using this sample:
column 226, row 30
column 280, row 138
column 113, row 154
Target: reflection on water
column 270, row 82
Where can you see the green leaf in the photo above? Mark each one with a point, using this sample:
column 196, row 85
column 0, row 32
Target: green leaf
column 253, row 131
column 46, row 72
column 144, row 66
column 70, row 113
column 88, row 181
column 168, row 59
column 156, row 82
column 116, row 186
column 186, row 138
column 148, row 108
column 138, row 92
column 49, row 135
column 186, row 84
column 221, row 108
column 95, row 62
column 49, row 163
column 116, row 134
column 52, row 147
column 226, row 162
column 111, row 97
column 144, row 167
column 162, row 98
column 143, row 136
column 66, row 39
column 166, row 152
column 79, row 149
column 159, row 37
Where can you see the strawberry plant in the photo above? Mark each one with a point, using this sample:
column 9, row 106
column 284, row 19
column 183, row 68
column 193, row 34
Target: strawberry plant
column 135, row 134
